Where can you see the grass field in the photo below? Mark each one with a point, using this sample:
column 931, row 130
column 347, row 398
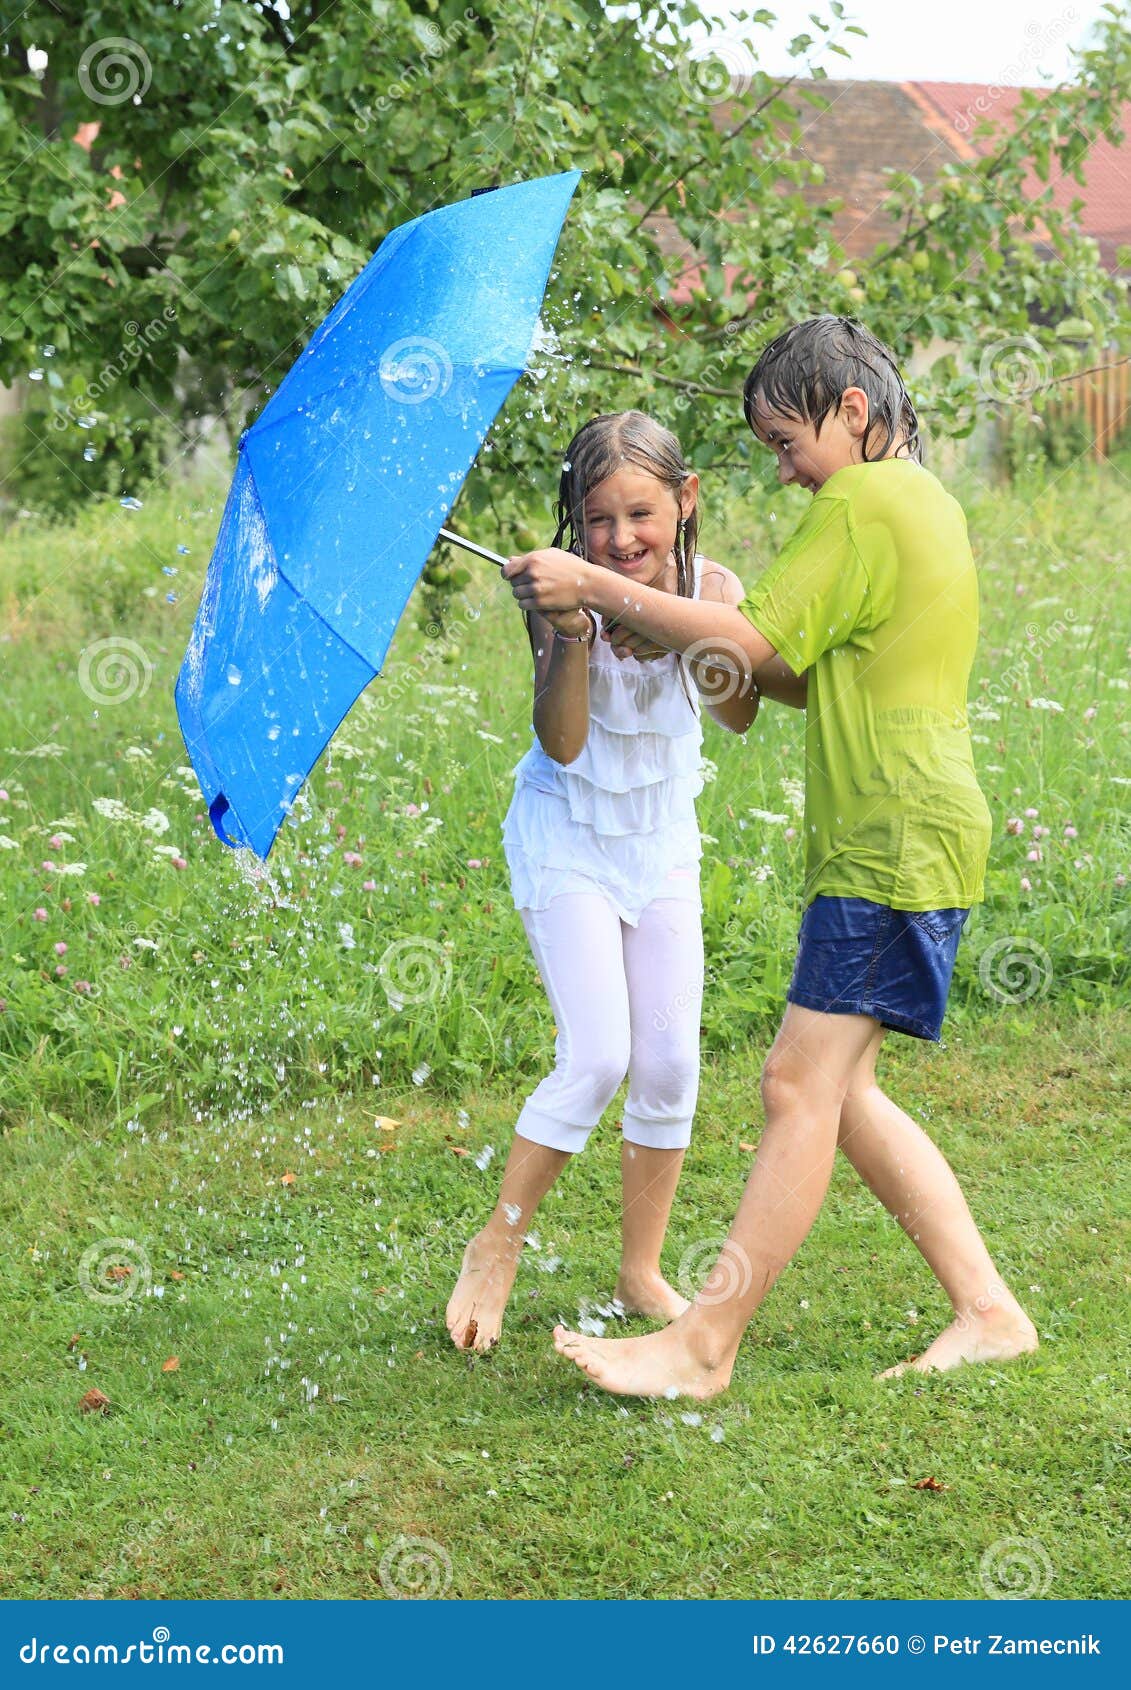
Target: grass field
column 198, row 1071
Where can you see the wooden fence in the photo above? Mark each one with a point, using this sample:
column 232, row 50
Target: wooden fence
column 1103, row 398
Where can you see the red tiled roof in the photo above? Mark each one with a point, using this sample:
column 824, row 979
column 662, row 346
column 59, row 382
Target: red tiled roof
column 869, row 128
column 1106, row 190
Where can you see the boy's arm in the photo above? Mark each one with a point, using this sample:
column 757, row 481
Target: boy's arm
column 704, row 632
column 777, row 680
column 731, row 699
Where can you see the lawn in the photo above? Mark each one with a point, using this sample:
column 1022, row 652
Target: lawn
column 205, row 1064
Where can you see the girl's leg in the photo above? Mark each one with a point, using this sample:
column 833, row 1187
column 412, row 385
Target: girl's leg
column 663, row 958
column 576, row 942
column 915, row 1183
column 803, row 1085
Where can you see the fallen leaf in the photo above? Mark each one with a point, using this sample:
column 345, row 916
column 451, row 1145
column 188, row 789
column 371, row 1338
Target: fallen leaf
column 288, row 1178
column 75, row 1340
column 386, row 1123
column 173, row 1274
column 95, row 1402
column 929, row 1484
column 171, row 1365
column 119, row 1270
column 749, row 1147
column 459, row 1150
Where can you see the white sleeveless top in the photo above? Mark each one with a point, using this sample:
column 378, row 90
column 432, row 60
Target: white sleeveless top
column 620, row 817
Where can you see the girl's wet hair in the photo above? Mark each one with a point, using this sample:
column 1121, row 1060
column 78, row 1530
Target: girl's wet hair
column 601, row 447
column 623, row 440
column 805, row 371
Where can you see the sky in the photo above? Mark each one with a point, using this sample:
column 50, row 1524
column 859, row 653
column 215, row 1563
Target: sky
column 1009, row 42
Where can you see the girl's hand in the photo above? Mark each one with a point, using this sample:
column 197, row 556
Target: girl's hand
column 569, row 622
column 549, row 580
column 625, row 643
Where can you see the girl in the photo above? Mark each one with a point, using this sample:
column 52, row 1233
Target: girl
column 603, row 848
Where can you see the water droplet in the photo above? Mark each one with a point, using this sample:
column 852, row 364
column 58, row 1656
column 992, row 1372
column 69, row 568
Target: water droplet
column 89, row 453
column 35, row 375
column 129, row 503
column 235, row 676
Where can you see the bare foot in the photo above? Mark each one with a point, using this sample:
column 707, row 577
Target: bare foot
column 671, row 1363
column 1000, row 1334
column 475, row 1308
column 649, row 1294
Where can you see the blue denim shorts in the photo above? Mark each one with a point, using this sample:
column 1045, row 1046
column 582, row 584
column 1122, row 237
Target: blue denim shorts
column 859, row 958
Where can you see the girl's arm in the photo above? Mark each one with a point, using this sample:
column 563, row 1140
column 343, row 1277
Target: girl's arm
column 731, row 697
column 561, row 684
column 776, row 680
column 555, row 580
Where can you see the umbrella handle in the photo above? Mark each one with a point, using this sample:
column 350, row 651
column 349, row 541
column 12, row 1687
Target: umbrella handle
column 470, row 546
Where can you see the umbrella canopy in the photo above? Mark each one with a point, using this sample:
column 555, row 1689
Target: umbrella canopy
column 341, row 487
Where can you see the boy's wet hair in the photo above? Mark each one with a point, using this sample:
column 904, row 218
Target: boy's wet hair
column 806, row 370
column 623, row 440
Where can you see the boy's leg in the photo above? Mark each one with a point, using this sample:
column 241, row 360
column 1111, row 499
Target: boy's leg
column 576, row 942
column 915, row 1183
column 663, row 963
column 803, row 1086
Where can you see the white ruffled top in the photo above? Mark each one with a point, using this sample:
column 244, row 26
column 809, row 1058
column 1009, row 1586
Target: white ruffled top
column 623, row 813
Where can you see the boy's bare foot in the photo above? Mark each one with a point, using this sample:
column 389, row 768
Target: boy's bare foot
column 671, row 1363
column 649, row 1294
column 475, row 1308
column 998, row 1334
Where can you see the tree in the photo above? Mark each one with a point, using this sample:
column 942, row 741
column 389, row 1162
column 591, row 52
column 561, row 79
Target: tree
column 189, row 185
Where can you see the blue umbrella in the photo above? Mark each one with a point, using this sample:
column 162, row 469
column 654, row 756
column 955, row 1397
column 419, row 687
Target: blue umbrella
column 341, row 487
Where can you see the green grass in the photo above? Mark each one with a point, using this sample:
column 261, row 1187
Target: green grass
column 202, row 985
column 223, row 1479
column 257, row 1031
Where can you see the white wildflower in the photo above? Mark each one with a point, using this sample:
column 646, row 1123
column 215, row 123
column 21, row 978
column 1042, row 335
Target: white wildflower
column 113, row 809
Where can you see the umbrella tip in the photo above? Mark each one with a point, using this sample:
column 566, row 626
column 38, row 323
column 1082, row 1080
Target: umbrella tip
column 217, row 811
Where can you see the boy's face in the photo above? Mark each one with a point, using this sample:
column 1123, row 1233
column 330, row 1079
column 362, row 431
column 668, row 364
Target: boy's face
column 806, row 458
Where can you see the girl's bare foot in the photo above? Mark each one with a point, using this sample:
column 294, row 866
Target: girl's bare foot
column 998, row 1334
column 649, row 1294
column 671, row 1363
column 475, row 1308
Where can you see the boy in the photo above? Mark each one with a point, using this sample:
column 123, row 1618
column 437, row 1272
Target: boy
column 868, row 619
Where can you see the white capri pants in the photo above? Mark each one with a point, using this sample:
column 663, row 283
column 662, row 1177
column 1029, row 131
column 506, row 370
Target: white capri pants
column 626, row 1000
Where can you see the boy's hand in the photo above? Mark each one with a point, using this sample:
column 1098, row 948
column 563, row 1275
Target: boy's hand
column 549, row 580
column 625, row 643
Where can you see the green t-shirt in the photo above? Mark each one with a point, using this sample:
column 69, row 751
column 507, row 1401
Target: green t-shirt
column 877, row 597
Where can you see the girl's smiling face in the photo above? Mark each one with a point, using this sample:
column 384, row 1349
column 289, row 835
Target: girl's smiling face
column 631, row 521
